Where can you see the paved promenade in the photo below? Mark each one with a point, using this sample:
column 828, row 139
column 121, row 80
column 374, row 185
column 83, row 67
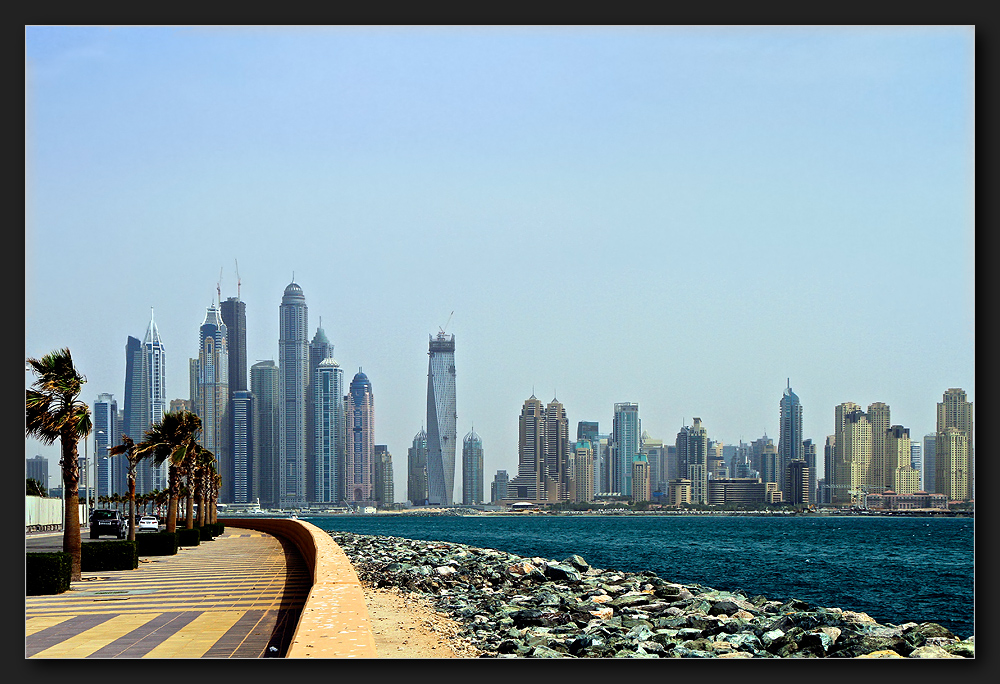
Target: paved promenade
column 237, row 596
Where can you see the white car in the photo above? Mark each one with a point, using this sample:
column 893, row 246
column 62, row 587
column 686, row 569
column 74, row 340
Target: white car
column 148, row 522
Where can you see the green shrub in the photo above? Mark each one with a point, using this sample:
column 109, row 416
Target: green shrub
column 47, row 573
column 219, row 528
column 186, row 537
column 157, row 543
column 205, row 532
column 109, row 555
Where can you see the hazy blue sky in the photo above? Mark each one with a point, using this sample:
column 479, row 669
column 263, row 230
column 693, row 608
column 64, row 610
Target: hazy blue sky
column 679, row 217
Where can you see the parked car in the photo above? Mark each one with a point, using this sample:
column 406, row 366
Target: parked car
column 148, row 522
column 105, row 521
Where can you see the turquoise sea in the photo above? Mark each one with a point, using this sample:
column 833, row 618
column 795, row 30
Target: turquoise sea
column 896, row 569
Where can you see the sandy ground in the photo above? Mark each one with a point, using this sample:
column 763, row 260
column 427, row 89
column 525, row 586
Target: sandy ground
column 407, row 626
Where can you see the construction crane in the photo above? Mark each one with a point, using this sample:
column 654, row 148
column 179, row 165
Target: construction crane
column 237, row 278
column 446, row 323
column 218, row 287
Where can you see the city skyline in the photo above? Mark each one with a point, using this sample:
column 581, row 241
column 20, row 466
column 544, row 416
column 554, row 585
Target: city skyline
column 702, row 206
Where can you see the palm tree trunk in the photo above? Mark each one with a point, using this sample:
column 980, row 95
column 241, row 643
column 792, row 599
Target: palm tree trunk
column 71, row 516
column 172, row 501
column 131, row 509
column 189, row 509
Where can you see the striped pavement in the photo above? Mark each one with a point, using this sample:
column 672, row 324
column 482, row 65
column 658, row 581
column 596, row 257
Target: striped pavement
column 237, row 596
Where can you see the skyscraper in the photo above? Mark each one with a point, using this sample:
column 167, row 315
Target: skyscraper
column 930, row 463
column 384, row 487
column 106, row 435
column 265, row 424
column 37, row 468
column 360, row 452
column 625, row 443
column 472, row 469
column 293, row 377
column 498, row 488
column 329, row 440
column 881, row 474
column 558, row 450
column 319, row 350
column 240, row 411
column 213, row 401
column 416, row 470
column 531, row 480
column 145, row 399
column 441, row 419
column 955, row 411
column 692, row 456
column 852, row 476
column 640, row 479
column 790, row 433
column 810, row 455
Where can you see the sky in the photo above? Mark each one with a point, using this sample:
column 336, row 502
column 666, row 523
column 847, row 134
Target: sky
column 687, row 218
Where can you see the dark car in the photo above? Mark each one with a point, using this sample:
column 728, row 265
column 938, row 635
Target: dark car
column 108, row 522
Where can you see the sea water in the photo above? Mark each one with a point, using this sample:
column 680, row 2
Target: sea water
column 896, row 569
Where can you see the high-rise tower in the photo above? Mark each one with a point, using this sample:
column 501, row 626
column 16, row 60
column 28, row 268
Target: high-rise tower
column 106, row 435
column 384, row 489
column 955, row 411
column 359, row 472
column 213, row 401
column 472, row 469
column 145, row 399
column 416, row 470
column 293, row 377
column 329, row 439
column 441, row 419
column 240, row 411
column 265, row 467
column 625, row 444
column 529, row 484
column 320, row 349
column 558, row 450
column 790, row 434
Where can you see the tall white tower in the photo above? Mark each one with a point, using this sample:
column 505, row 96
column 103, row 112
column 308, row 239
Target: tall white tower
column 441, row 420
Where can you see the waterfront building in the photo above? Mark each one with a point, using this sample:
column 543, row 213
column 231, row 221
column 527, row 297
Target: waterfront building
column 952, row 464
column 329, row 441
column 656, row 454
column 240, row 411
column 145, row 400
column 757, row 454
column 384, row 487
column 360, row 452
column 829, row 458
column 441, row 419
column 853, row 456
column 789, row 433
column 809, row 453
column 265, row 428
column 212, row 402
column 906, row 480
column 917, row 460
column 293, row 378
column 770, row 463
column 881, row 471
column 692, row 457
column 895, row 501
column 930, row 463
column 583, row 464
column 955, row 411
column 106, row 435
column 558, row 450
column 897, row 455
column 625, row 444
column 739, row 490
column 320, row 349
column 797, row 481
column 590, row 431
column 679, row 491
column 602, row 462
column 641, row 490
column 416, row 470
column 742, row 463
column 531, row 480
column 472, row 469
column 498, row 488
column 717, row 467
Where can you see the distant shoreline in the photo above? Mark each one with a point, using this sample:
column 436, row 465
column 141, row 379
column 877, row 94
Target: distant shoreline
column 928, row 513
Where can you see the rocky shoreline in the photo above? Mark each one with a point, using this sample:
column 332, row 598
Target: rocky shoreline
column 514, row 607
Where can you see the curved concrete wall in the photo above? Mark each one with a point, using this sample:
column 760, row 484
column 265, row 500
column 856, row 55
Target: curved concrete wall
column 335, row 621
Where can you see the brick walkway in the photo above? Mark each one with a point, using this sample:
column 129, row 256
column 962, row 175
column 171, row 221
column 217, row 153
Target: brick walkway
column 237, row 596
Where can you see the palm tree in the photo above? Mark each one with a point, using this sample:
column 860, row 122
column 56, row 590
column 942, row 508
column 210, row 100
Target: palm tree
column 204, row 468
column 133, row 454
column 170, row 440
column 54, row 411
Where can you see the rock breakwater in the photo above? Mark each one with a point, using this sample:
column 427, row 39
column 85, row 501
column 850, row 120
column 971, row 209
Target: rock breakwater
column 512, row 606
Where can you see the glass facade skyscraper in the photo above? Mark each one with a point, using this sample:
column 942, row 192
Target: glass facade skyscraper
column 213, row 401
column 145, row 399
column 626, row 443
column 359, row 471
column 789, row 435
column 416, row 470
column 293, row 378
column 265, row 425
column 329, row 438
column 441, row 420
column 472, row 469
